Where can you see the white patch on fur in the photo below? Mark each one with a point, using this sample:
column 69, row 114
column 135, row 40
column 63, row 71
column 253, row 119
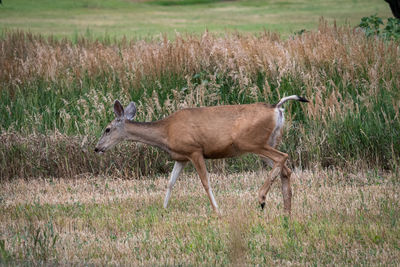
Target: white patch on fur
column 214, row 203
column 213, row 199
column 279, row 121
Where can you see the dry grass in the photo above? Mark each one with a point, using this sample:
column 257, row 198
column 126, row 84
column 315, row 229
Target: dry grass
column 59, row 155
column 51, row 87
column 338, row 218
column 26, row 57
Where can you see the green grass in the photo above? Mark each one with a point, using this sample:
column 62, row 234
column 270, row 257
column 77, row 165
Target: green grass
column 147, row 19
column 57, row 97
column 95, row 220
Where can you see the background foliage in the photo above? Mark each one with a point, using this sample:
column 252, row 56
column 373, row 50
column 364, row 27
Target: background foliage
column 57, row 96
column 372, row 27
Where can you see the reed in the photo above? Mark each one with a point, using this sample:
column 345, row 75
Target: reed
column 53, row 87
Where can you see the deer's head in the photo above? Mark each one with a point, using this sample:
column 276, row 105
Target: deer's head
column 115, row 131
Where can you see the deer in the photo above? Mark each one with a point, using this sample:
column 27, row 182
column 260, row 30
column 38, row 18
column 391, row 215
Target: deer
column 216, row 132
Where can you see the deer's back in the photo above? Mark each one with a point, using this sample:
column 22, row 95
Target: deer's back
column 220, row 131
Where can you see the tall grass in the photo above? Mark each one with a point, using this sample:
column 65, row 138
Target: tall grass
column 55, row 87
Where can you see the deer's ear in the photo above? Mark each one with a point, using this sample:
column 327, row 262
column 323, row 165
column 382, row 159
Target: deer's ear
column 118, row 109
column 130, row 111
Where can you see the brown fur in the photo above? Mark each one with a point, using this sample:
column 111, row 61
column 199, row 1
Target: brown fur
column 218, row 132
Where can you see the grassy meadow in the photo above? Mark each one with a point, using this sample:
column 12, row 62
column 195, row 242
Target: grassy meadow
column 338, row 219
column 62, row 65
column 139, row 19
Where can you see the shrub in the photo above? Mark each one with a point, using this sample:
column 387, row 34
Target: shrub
column 372, row 27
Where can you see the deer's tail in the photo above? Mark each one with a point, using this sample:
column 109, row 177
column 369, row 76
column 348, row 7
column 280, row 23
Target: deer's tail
column 292, row 97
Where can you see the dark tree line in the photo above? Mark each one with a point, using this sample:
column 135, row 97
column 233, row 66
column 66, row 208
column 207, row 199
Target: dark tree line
column 394, row 6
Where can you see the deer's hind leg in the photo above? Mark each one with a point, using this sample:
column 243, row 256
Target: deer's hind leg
column 286, row 189
column 286, row 186
column 277, row 159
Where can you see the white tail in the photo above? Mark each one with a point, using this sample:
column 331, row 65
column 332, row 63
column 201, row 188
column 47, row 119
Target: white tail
column 292, row 97
column 197, row 134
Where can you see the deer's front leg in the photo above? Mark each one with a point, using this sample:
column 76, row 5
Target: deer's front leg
column 200, row 165
column 176, row 171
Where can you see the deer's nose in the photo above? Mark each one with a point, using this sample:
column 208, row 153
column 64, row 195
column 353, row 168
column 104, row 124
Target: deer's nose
column 96, row 150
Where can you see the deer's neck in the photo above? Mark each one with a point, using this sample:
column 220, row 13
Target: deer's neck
column 151, row 133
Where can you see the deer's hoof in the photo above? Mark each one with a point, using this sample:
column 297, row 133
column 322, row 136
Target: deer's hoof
column 262, row 205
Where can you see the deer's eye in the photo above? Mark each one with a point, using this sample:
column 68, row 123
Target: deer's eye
column 107, row 130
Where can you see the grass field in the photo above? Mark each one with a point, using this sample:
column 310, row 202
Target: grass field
column 62, row 203
column 149, row 18
column 338, row 219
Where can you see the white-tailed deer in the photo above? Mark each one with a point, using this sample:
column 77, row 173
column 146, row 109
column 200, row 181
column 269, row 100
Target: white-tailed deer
column 196, row 134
